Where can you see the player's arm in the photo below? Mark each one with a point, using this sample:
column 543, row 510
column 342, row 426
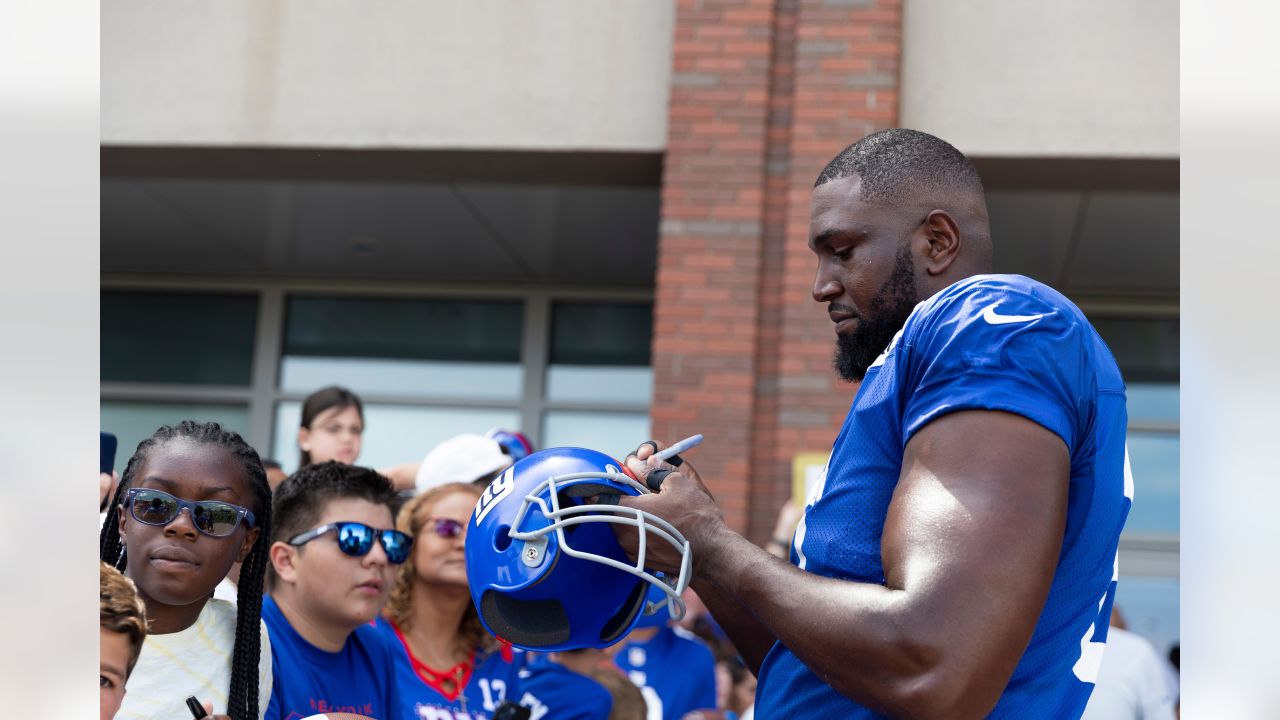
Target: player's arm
column 751, row 639
column 402, row 476
column 749, row 636
column 969, row 550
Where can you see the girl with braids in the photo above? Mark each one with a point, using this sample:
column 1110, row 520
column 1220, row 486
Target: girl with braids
column 446, row 664
column 194, row 500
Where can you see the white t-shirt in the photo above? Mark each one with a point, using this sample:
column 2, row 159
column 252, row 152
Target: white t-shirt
column 227, row 590
column 1131, row 682
column 195, row 661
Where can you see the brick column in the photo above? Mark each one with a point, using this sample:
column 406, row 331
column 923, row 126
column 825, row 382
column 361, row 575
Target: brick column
column 763, row 95
column 707, row 300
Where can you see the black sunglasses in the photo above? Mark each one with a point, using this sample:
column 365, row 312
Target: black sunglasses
column 356, row 539
column 211, row 517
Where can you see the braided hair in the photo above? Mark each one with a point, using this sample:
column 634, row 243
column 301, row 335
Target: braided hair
column 242, row 698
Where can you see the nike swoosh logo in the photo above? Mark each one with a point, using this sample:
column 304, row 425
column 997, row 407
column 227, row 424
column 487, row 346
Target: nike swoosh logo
column 990, row 316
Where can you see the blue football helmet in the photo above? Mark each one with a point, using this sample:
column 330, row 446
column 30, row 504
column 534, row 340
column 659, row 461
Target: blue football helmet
column 514, row 443
column 546, row 570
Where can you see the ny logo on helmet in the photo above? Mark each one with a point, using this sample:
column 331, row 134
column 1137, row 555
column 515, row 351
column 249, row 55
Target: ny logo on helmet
column 497, row 490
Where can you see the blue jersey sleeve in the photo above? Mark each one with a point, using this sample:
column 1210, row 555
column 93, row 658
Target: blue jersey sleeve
column 991, row 347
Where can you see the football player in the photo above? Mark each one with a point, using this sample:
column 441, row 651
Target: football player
column 957, row 559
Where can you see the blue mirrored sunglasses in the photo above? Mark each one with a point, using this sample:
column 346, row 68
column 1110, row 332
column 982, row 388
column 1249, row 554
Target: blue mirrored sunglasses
column 356, row 539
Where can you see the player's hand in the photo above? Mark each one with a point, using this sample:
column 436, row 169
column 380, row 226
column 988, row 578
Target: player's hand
column 683, row 500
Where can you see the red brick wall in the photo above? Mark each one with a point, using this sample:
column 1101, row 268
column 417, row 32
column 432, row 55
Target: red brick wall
column 763, row 94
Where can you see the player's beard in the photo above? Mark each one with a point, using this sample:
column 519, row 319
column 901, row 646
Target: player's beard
column 883, row 318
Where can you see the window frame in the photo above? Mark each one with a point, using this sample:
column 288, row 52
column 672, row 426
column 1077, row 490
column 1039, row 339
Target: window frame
column 263, row 393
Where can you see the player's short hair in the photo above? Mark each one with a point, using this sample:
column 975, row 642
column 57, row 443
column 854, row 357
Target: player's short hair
column 900, row 163
column 121, row 611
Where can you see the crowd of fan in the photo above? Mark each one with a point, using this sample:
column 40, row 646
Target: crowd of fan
column 229, row 590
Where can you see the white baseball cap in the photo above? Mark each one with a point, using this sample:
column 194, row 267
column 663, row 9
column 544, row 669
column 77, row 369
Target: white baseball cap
column 462, row 458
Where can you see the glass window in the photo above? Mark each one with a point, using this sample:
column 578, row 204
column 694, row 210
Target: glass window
column 612, row 433
column 202, row 339
column 600, row 352
column 133, row 422
column 1146, row 349
column 1154, row 460
column 425, row 348
column 1152, row 403
column 393, row 434
column 1150, row 608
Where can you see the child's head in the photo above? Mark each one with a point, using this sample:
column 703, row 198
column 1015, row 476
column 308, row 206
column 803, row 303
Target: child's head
column 275, row 473
column 332, row 427
column 122, row 626
column 193, row 501
column 628, row 701
column 323, row 575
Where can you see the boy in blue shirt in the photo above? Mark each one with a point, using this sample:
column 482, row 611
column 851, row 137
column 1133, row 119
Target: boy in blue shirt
column 334, row 553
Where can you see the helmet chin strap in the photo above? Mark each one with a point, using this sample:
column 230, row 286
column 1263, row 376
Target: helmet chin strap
column 672, row 599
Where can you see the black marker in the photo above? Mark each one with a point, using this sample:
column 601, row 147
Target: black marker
column 197, row 710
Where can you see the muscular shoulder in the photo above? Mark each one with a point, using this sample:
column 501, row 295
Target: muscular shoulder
column 995, row 300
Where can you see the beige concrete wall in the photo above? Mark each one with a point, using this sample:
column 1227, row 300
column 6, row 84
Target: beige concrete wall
column 552, row 74
column 1044, row 77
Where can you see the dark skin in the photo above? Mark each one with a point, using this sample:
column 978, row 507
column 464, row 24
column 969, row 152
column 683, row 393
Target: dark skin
column 176, row 567
column 942, row 636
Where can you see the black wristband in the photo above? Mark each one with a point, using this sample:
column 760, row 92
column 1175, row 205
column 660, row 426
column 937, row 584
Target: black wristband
column 781, row 542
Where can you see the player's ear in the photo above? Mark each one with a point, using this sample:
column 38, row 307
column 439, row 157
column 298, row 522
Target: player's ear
column 942, row 238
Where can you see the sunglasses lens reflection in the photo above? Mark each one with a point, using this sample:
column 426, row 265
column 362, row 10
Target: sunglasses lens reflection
column 354, row 539
column 154, row 508
column 396, row 544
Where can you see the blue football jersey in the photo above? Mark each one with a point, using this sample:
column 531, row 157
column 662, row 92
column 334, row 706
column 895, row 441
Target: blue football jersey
column 990, row 342
column 552, row 691
column 675, row 670
column 307, row 680
column 492, row 679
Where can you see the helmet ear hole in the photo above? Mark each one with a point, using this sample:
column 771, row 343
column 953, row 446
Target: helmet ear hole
column 526, row 623
column 502, row 538
column 621, row 622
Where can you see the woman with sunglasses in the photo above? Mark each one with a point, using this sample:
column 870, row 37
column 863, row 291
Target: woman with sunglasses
column 447, row 665
column 193, row 500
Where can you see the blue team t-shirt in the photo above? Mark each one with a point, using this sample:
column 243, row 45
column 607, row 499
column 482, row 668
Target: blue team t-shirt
column 989, row 342
column 554, row 692
column 308, row 680
column 674, row 669
column 493, row 678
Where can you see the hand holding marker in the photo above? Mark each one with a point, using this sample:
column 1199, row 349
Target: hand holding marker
column 670, row 455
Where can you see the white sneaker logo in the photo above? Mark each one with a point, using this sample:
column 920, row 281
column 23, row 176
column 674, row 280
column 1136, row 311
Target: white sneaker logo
column 990, row 316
